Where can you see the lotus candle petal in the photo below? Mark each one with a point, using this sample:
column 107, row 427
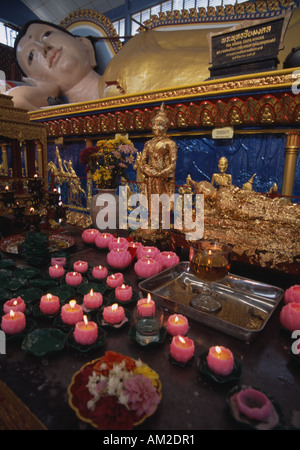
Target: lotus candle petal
column 146, row 267
column 73, row 278
column 182, row 349
column 16, row 304
column 177, row 324
column 119, row 258
column 118, row 243
column 49, row 304
column 146, row 306
column 113, row 314
column 59, row 261
column 292, row 295
column 56, row 271
column 103, row 239
column 71, row 313
column 168, row 259
column 220, row 360
column 93, row 299
column 254, row 404
column 89, row 236
column 80, row 266
column 115, row 280
column 85, row 332
column 290, row 316
column 13, row 322
column 150, row 251
column 99, row 272
column 123, row 293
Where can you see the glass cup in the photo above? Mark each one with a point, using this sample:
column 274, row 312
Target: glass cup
column 148, row 328
column 210, row 261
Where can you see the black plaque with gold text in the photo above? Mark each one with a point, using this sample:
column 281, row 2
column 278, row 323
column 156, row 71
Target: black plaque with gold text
column 246, row 50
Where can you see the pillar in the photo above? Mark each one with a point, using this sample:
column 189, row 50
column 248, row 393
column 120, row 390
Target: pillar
column 291, row 154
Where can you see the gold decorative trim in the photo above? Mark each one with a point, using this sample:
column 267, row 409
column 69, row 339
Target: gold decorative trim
column 233, row 85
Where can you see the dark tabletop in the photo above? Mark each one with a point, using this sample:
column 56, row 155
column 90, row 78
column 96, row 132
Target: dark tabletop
column 190, row 401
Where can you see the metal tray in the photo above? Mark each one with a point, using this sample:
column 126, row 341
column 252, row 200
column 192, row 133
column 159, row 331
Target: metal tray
column 247, row 305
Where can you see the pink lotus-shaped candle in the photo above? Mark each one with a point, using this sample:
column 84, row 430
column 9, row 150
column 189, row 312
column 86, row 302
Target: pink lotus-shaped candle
column 59, row 261
column 150, row 251
column 177, row 324
column 16, row 304
column 113, row 314
column 103, row 239
column 290, row 316
column 56, row 271
column 71, row 313
column 115, row 280
column 119, row 258
column 220, row 360
column 182, row 349
column 99, row 272
column 118, row 243
column 146, row 267
column 80, row 266
column 89, row 236
column 168, row 259
column 73, row 278
column 93, row 299
column 292, row 295
column 85, row 332
column 254, row 404
column 49, row 304
column 13, row 322
column 123, row 293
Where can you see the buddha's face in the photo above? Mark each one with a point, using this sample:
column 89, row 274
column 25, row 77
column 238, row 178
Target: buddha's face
column 159, row 127
column 222, row 165
column 48, row 54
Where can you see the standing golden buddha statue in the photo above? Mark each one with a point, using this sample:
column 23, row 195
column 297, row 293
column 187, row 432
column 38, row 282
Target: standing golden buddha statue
column 158, row 160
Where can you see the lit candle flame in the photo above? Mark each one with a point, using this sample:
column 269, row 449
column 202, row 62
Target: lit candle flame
column 31, row 210
column 123, row 286
column 72, row 303
column 7, row 188
column 114, row 307
column 11, row 314
column 91, row 292
column 85, row 319
column 149, row 298
column 218, row 350
column 15, row 303
column 49, row 296
column 56, row 266
column 176, row 319
column 74, row 274
column 181, row 339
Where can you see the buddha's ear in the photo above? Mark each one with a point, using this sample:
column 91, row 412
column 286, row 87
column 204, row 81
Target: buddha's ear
column 89, row 48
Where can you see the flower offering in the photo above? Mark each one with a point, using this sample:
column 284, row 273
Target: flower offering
column 115, row 392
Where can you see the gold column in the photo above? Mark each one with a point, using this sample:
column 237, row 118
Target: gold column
column 4, row 159
column 291, row 153
column 89, row 180
column 39, row 158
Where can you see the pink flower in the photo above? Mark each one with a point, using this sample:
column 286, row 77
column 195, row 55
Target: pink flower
column 292, row 294
column 142, row 396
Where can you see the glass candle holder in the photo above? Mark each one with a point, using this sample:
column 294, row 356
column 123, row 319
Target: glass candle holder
column 210, row 261
column 148, row 328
